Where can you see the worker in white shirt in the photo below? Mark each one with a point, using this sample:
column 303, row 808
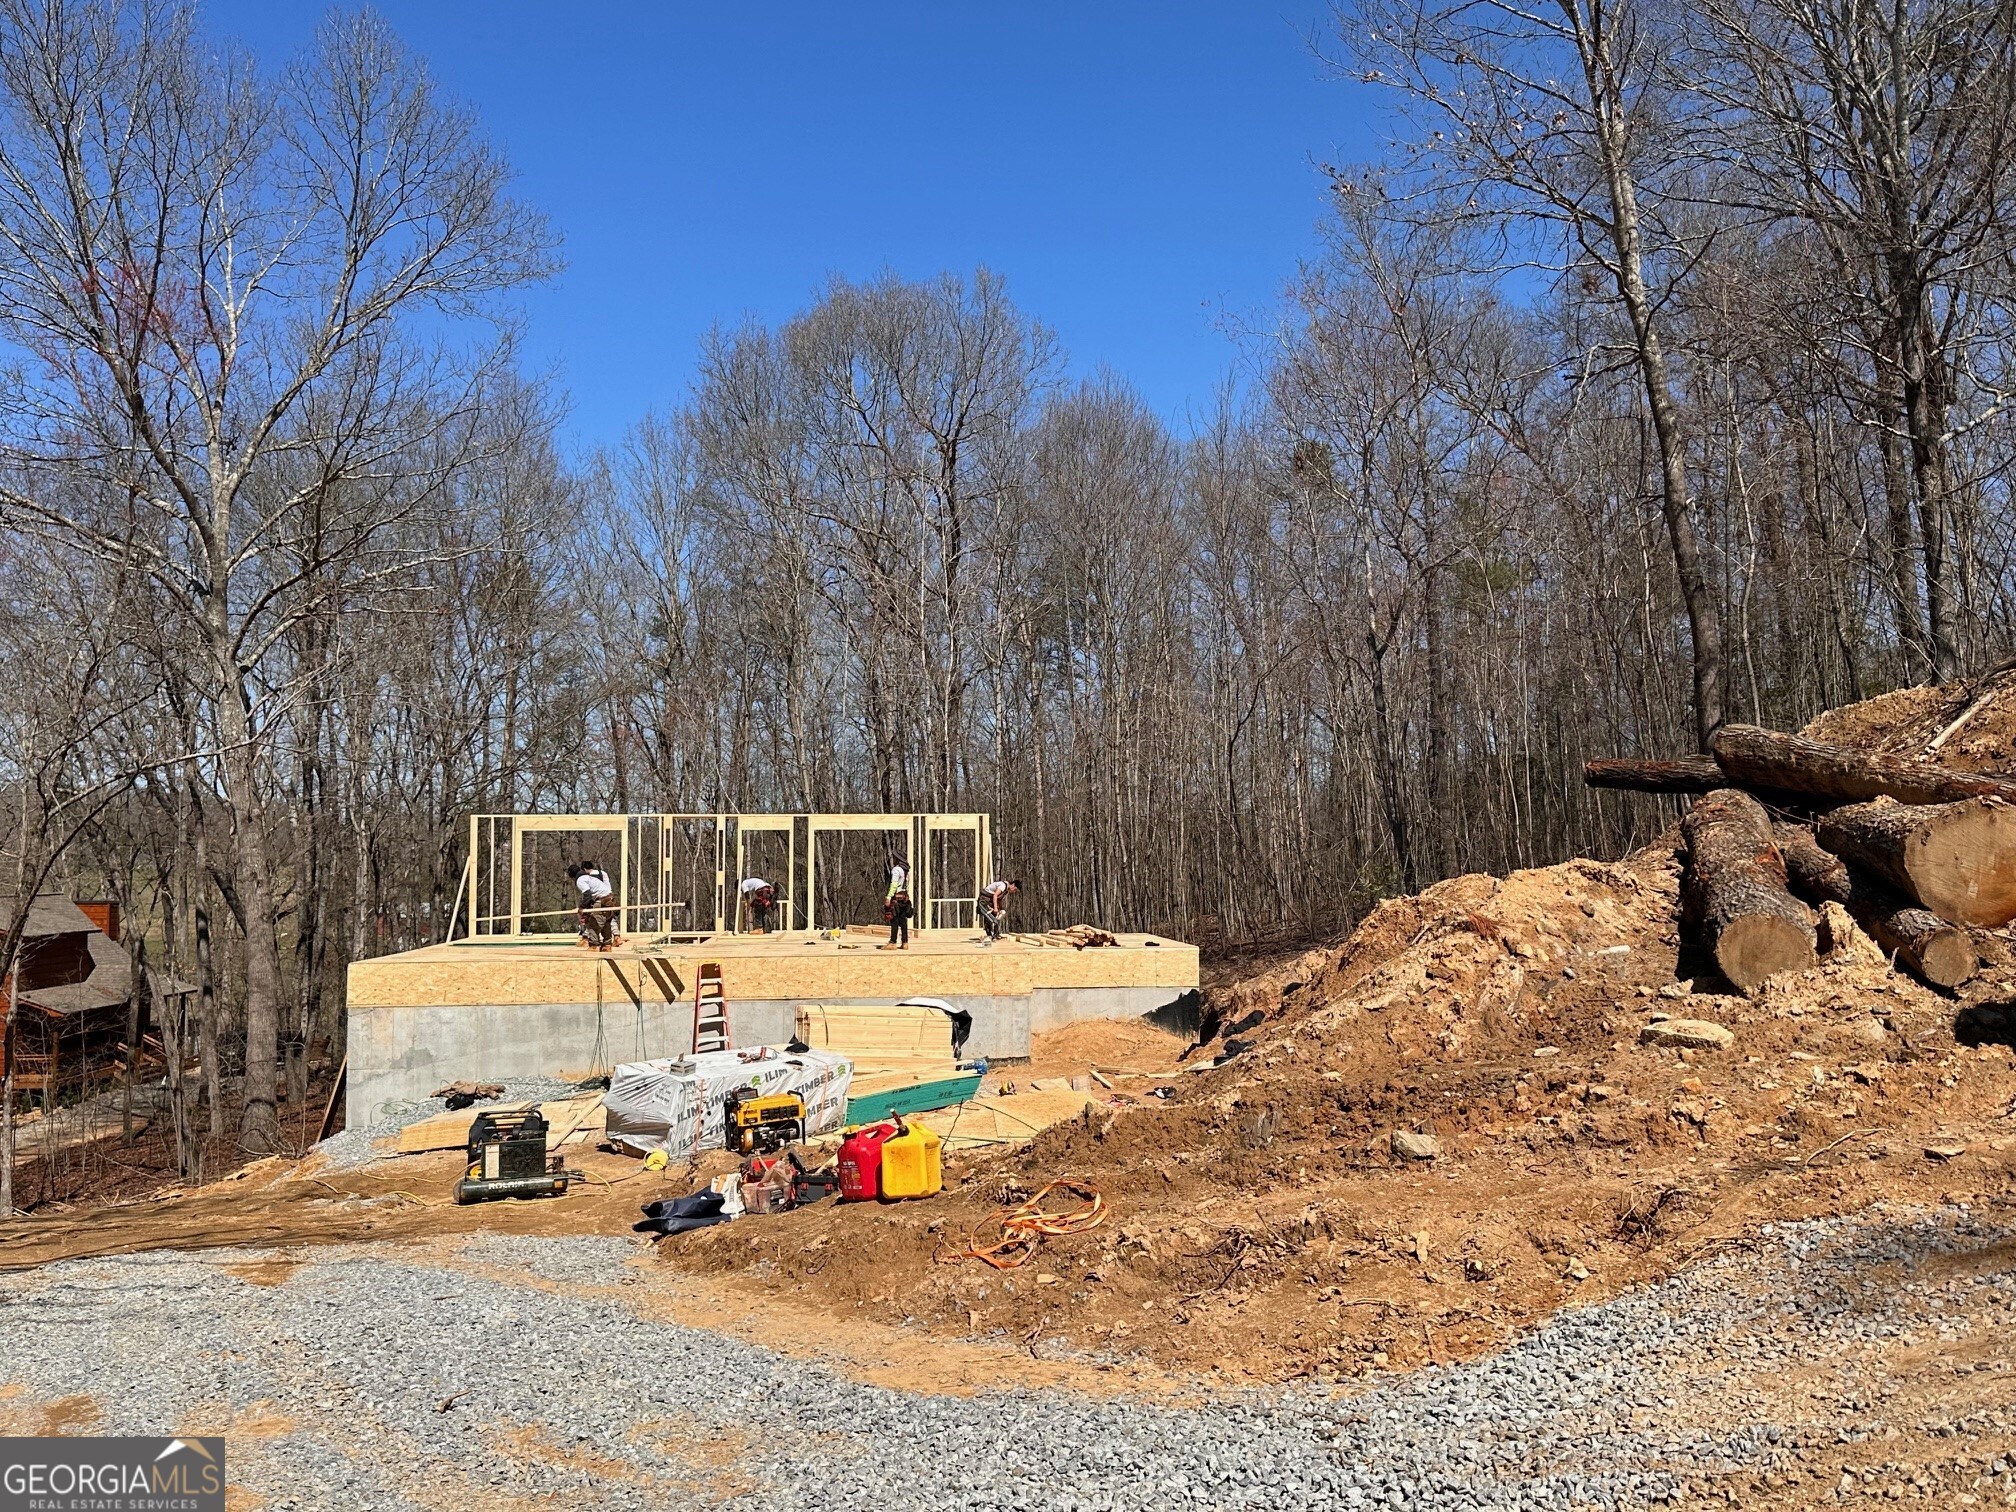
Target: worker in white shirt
column 992, row 906
column 596, row 911
column 897, row 908
column 759, row 905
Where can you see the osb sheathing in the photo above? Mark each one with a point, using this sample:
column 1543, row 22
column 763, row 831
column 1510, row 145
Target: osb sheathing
column 783, row 968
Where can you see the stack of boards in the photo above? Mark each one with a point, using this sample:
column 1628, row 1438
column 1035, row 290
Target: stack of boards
column 902, row 1057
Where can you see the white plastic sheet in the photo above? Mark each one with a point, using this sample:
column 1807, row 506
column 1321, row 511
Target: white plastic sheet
column 676, row 1105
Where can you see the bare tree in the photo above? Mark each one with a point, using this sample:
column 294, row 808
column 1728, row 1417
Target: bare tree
column 1883, row 133
column 209, row 274
column 75, row 691
column 1560, row 112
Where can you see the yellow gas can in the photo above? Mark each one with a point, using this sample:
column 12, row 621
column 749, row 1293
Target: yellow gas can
column 913, row 1163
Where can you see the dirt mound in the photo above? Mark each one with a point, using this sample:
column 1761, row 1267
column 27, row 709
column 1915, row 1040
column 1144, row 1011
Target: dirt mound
column 1264, row 1225
column 1970, row 725
column 1267, row 1222
column 1472, row 964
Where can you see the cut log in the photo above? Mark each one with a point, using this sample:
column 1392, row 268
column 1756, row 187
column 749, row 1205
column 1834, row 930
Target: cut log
column 1957, row 859
column 1687, row 774
column 1735, row 896
column 1937, row 952
column 1755, row 758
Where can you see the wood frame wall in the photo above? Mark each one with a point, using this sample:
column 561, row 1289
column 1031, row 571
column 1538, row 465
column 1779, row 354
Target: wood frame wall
column 643, row 902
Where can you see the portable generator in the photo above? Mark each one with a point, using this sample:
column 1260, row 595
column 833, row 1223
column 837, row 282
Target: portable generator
column 750, row 1122
column 507, row 1158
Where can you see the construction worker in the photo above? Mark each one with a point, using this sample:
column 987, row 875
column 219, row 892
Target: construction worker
column 992, row 906
column 759, row 905
column 596, row 911
column 897, row 908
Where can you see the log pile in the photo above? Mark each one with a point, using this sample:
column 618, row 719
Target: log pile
column 1918, row 854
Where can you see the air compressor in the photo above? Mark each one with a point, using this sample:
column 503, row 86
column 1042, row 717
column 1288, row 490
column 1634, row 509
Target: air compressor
column 507, row 1158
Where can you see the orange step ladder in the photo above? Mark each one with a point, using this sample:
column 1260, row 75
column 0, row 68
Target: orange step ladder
column 710, row 1010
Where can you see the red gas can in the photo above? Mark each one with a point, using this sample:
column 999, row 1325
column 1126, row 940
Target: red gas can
column 861, row 1162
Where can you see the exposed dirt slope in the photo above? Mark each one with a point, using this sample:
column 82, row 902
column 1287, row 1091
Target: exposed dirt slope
column 1973, row 724
column 1264, row 1227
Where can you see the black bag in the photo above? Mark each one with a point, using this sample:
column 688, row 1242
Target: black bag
column 679, row 1215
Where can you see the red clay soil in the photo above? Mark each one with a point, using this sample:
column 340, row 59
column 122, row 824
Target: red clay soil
column 1263, row 1228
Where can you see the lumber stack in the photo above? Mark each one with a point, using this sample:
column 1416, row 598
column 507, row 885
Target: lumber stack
column 876, row 1037
column 902, row 1056
column 1919, row 854
column 1076, row 937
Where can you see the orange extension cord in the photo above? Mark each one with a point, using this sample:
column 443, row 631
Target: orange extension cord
column 1026, row 1225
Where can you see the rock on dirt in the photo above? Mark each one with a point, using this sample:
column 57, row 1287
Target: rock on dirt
column 1411, row 1146
column 1686, row 1034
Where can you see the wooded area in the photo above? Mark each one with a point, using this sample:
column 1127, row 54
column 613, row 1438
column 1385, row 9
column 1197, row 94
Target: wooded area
column 1645, row 391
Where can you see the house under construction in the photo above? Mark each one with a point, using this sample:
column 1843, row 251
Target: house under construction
column 512, row 994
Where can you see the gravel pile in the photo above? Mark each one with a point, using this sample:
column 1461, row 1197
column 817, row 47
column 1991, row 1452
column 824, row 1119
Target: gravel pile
column 410, row 1379
column 353, row 1147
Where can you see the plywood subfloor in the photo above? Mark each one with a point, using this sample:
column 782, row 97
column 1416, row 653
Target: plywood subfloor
column 769, row 967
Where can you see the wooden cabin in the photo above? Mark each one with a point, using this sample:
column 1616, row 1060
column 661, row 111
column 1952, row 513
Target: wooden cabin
column 75, row 980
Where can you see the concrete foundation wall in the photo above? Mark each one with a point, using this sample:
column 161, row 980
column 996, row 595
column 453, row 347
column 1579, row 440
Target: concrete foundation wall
column 506, row 1012
column 401, row 1053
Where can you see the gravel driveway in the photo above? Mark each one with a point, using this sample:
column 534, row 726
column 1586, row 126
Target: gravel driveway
column 1777, row 1366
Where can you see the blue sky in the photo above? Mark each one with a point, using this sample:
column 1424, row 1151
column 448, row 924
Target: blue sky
column 1143, row 174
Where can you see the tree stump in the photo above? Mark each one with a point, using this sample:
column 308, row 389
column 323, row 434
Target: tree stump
column 1939, row 953
column 1736, row 898
column 1957, row 859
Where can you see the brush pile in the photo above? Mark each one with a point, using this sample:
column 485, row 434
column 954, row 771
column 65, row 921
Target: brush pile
column 1787, row 827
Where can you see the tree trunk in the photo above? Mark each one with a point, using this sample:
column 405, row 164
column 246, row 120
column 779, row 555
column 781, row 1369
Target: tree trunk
column 1936, row 951
column 200, row 927
column 1957, row 859
column 1685, row 774
column 1735, row 896
column 7, row 1052
column 1767, row 759
column 133, row 1016
column 259, row 1121
column 175, row 1050
column 1925, row 420
column 1609, row 115
column 1903, row 583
